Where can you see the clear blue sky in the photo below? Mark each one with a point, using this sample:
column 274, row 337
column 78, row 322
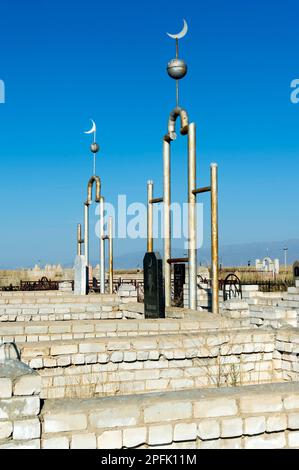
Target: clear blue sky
column 66, row 61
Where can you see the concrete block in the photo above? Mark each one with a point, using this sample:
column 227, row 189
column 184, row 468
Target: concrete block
column 26, row 429
column 5, row 387
column 265, row 404
column 133, row 437
column 166, row 411
column 293, row 439
column 5, row 429
column 293, row 421
column 64, row 422
column 159, row 435
column 264, row 441
column 110, row 440
column 185, row 432
column 254, row 425
column 127, row 415
column 55, row 443
column 84, row 441
column 276, row 423
column 29, row 384
column 231, row 427
column 215, row 407
column 61, row 349
column 208, row 429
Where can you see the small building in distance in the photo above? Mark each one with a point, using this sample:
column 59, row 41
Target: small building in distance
column 267, row 265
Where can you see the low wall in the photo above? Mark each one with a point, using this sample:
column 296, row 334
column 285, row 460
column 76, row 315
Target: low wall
column 19, row 406
column 204, row 419
column 132, row 364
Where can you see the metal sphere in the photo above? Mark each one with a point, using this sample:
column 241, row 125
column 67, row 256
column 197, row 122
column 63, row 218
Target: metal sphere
column 177, row 69
column 94, row 147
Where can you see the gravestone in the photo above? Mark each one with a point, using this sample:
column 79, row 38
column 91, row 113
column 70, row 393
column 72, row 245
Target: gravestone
column 179, row 281
column 296, row 273
column 80, row 276
column 154, row 303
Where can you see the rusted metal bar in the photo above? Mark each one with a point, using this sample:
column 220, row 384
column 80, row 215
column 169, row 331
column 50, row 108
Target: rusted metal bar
column 177, row 260
column 156, row 200
column 206, row 189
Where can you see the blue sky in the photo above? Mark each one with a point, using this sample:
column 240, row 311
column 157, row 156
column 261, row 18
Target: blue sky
column 66, row 61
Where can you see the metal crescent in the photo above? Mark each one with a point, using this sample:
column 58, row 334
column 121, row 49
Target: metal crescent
column 181, row 34
column 93, row 129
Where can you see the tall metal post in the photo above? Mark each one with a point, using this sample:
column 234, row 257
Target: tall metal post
column 167, row 222
column 150, row 186
column 110, row 234
column 102, row 247
column 214, row 237
column 192, row 217
column 86, row 241
column 79, row 239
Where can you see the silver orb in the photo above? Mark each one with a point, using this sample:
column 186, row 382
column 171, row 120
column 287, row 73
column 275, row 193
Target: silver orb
column 94, row 147
column 177, row 69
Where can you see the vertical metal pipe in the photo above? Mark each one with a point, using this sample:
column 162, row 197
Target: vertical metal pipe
column 79, row 239
column 150, row 186
column 86, row 241
column 214, row 237
column 192, row 217
column 110, row 234
column 102, row 247
column 167, row 222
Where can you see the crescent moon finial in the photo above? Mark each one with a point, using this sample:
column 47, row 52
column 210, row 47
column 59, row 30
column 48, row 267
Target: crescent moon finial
column 93, row 129
column 181, row 34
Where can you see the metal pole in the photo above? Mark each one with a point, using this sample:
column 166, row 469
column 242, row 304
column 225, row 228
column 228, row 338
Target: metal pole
column 167, row 222
column 192, row 217
column 86, row 241
column 214, row 237
column 110, row 234
column 102, row 247
column 79, row 239
column 150, row 185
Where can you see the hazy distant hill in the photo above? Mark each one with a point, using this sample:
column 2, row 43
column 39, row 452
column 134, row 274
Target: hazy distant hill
column 230, row 255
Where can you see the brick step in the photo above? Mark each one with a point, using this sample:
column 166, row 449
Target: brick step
column 58, row 299
column 22, row 332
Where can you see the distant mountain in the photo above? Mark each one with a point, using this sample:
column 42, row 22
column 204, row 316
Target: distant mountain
column 229, row 255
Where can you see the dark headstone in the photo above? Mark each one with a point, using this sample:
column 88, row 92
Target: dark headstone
column 296, row 270
column 179, row 281
column 154, row 304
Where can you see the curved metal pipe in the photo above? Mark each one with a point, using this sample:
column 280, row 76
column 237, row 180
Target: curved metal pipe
column 175, row 113
column 97, row 181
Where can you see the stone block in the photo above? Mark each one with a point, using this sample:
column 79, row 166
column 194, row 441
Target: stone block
column 5, row 429
column 167, row 411
column 293, row 439
column 159, row 435
column 231, row 427
column 15, row 407
column 215, row 407
column 61, row 349
column 91, row 347
column 133, row 437
column 293, row 421
column 265, row 404
column 291, row 402
column 84, row 441
column 29, row 384
column 5, row 387
column 276, row 423
column 55, row 443
column 127, row 415
column 26, row 429
column 208, row 429
column 110, row 440
column 264, row 441
column 64, row 422
column 254, row 425
column 185, row 432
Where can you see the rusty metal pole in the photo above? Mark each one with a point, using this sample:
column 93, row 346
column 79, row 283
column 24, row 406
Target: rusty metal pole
column 192, row 217
column 110, row 234
column 79, row 239
column 214, row 237
column 86, row 241
column 102, row 247
column 167, row 222
column 150, row 186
